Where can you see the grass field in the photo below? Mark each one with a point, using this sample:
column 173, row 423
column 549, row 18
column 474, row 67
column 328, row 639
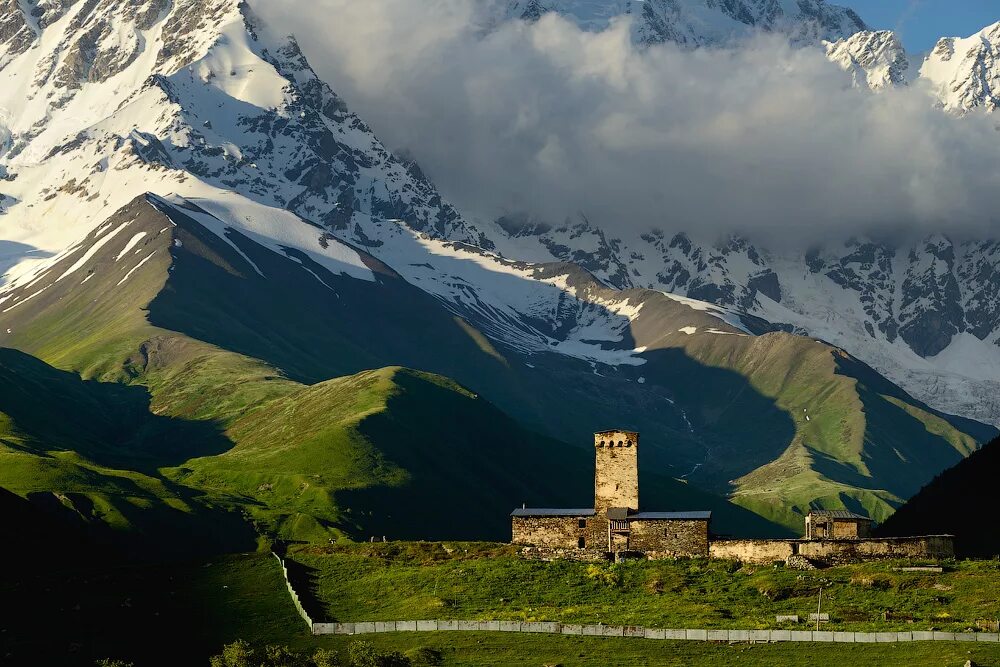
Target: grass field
column 180, row 614
column 410, row 581
column 483, row 649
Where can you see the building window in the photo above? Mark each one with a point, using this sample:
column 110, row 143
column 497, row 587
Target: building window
column 583, row 523
column 581, row 543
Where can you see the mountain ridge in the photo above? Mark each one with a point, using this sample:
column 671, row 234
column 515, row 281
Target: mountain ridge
column 285, row 240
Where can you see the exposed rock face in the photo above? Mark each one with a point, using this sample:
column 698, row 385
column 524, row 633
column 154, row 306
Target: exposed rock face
column 898, row 306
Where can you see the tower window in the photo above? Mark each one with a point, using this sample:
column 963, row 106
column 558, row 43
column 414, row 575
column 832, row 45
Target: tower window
column 583, row 523
column 581, row 543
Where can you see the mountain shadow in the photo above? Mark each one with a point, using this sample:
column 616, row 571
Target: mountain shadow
column 691, row 414
column 107, row 423
column 957, row 502
column 468, row 465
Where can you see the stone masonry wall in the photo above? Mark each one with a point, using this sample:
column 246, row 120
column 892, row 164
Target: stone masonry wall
column 670, row 538
column 556, row 532
column 851, row 551
column 835, row 551
column 753, row 551
column 616, row 475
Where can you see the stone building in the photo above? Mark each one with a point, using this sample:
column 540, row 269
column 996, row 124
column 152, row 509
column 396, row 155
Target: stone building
column 615, row 525
column 837, row 525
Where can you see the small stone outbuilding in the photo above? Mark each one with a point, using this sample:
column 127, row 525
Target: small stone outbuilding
column 837, row 525
column 615, row 526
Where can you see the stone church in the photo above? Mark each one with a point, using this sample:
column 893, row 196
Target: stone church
column 615, row 526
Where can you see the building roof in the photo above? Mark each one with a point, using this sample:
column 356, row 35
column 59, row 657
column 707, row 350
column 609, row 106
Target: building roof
column 616, row 430
column 618, row 513
column 676, row 516
column 838, row 514
column 546, row 511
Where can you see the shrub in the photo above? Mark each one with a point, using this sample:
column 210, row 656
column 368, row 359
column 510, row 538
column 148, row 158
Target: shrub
column 425, row 655
column 325, row 658
column 610, row 576
column 109, row 662
column 282, row 656
column 364, row 654
column 237, row 654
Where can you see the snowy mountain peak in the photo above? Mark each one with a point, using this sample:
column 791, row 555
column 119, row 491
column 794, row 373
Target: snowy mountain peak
column 111, row 99
column 702, row 22
column 965, row 73
column 875, row 59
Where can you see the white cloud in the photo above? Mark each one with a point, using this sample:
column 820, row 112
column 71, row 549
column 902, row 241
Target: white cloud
column 551, row 120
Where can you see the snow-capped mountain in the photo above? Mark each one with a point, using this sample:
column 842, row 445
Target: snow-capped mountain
column 702, row 22
column 186, row 102
column 175, row 161
column 925, row 314
column 962, row 75
column 875, row 59
column 965, row 73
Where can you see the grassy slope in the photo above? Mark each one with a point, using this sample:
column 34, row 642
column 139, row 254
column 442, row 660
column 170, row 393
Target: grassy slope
column 407, row 454
column 482, row 650
column 489, row 582
column 857, row 441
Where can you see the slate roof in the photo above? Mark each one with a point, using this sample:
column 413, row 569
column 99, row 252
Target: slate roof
column 545, row 511
column 839, row 514
column 676, row 516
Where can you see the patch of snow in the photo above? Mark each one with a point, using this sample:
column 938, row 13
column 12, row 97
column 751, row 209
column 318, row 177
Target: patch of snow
column 137, row 267
column 131, row 244
column 93, row 250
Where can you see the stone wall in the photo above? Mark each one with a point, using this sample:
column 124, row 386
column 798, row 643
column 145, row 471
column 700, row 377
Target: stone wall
column 557, row 553
column 666, row 538
column 616, row 473
column 547, row 531
column 753, row 551
column 852, row 551
column 933, row 547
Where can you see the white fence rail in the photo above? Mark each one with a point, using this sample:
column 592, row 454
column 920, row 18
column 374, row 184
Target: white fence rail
column 295, row 596
column 372, row 627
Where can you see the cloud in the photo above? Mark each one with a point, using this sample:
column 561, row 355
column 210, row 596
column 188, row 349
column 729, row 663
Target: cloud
column 549, row 120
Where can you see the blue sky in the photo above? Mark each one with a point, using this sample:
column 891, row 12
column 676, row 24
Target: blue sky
column 922, row 22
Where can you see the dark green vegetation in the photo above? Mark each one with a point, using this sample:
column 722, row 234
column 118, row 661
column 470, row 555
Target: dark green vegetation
column 958, row 502
column 180, row 614
column 489, row 582
column 537, row 651
column 162, row 614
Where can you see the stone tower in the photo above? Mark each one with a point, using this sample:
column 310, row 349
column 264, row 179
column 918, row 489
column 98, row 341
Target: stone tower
column 616, row 476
